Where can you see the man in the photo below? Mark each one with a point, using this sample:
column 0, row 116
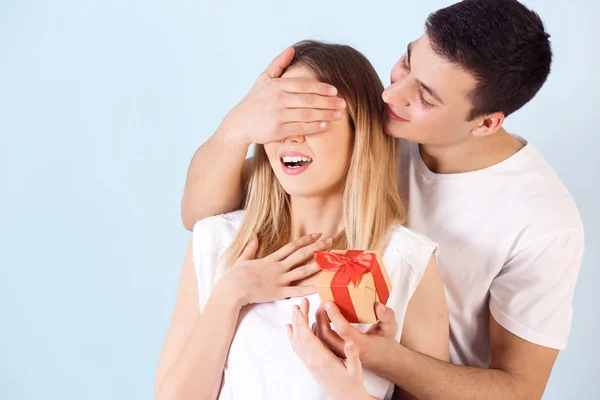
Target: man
column 511, row 239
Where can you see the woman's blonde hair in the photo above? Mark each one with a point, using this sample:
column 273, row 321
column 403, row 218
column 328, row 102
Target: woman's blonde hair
column 371, row 205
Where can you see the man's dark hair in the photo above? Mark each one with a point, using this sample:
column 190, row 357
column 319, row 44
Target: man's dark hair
column 502, row 43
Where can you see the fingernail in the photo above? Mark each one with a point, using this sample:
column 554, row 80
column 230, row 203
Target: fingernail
column 332, row 90
column 337, row 114
column 315, row 235
column 350, row 343
column 328, row 241
column 323, row 125
column 327, row 305
column 342, row 103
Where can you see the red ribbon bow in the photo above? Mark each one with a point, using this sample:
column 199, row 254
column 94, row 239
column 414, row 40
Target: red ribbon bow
column 349, row 267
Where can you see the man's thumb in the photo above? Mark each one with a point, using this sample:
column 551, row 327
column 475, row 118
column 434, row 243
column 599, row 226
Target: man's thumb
column 279, row 63
column 386, row 318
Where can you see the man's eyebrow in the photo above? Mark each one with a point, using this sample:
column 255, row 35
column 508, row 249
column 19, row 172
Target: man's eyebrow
column 429, row 90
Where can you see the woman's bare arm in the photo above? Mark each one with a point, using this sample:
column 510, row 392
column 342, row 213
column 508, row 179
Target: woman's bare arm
column 196, row 346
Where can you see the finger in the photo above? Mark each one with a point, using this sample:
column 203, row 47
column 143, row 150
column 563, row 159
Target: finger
column 301, row 318
column 384, row 314
column 279, row 63
column 301, row 272
column 304, row 307
column 304, row 253
column 353, row 363
column 301, row 329
column 297, row 324
column 387, row 320
column 290, row 333
column 324, row 332
column 340, row 324
column 249, row 252
column 298, row 291
column 301, row 128
column 291, row 247
column 299, row 85
column 310, row 115
column 295, row 321
column 312, row 101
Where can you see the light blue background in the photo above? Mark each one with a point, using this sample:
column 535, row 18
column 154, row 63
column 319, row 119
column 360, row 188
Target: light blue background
column 102, row 104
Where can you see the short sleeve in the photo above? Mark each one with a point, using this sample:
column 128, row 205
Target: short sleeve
column 205, row 256
column 416, row 249
column 210, row 239
column 406, row 257
column 532, row 296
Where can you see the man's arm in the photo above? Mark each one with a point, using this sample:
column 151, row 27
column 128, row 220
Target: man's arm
column 519, row 370
column 218, row 163
column 274, row 109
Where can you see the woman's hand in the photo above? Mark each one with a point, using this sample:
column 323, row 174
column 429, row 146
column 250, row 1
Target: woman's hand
column 341, row 379
column 269, row 278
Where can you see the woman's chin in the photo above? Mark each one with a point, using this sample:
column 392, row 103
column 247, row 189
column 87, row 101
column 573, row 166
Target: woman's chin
column 301, row 189
column 300, row 192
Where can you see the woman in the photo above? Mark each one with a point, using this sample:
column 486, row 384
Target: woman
column 241, row 276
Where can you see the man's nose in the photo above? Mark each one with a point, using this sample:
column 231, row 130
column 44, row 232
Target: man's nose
column 397, row 93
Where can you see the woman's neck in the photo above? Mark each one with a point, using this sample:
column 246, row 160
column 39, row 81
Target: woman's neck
column 316, row 215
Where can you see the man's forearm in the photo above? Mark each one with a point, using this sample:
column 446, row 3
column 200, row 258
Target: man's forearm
column 214, row 179
column 428, row 378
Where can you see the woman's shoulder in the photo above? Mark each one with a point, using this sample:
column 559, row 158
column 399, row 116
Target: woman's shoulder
column 411, row 247
column 216, row 233
column 221, row 222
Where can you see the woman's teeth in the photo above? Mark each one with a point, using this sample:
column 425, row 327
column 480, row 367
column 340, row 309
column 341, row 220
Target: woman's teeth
column 295, row 161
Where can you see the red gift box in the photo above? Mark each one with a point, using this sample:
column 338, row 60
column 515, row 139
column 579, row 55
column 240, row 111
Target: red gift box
column 354, row 280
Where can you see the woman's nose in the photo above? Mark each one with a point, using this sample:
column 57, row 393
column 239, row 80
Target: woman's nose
column 297, row 139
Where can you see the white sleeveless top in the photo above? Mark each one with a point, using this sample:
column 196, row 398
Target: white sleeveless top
column 261, row 363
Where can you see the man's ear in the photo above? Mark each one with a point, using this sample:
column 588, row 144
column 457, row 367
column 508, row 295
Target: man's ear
column 488, row 125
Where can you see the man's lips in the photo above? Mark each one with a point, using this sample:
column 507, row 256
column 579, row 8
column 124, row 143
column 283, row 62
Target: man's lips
column 393, row 115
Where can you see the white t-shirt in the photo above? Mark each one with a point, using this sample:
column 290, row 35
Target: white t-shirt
column 261, row 363
column 511, row 244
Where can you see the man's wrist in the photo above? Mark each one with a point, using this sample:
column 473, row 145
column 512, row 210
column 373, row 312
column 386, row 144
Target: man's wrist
column 387, row 361
column 232, row 136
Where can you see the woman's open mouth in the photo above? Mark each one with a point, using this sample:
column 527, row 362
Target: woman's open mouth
column 295, row 164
